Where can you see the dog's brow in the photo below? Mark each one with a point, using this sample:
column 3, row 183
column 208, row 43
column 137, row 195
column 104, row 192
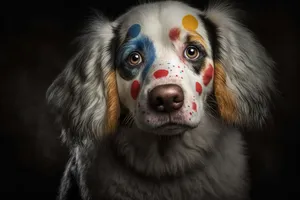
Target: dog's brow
column 193, row 36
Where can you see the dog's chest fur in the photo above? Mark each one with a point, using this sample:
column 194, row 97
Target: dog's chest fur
column 223, row 177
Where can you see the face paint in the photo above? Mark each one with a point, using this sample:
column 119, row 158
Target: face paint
column 160, row 73
column 208, row 74
column 135, row 89
column 190, row 23
column 149, row 52
column 194, row 106
column 134, row 31
column 174, row 34
column 198, row 88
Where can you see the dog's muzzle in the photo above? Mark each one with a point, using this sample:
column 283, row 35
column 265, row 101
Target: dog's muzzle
column 169, row 102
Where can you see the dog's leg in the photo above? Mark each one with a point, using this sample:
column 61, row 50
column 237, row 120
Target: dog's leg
column 67, row 189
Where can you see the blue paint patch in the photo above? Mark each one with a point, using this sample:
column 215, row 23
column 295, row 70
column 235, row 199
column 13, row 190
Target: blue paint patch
column 141, row 44
column 134, row 31
column 150, row 57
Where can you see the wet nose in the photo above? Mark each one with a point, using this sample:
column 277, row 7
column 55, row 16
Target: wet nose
column 166, row 98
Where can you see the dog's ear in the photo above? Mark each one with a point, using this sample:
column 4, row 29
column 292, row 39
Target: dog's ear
column 84, row 96
column 243, row 81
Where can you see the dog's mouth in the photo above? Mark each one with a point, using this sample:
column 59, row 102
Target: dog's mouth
column 165, row 125
column 170, row 129
column 162, row 125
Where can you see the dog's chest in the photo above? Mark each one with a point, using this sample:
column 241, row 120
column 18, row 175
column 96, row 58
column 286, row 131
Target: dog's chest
column 117, row 184
column 110, row 180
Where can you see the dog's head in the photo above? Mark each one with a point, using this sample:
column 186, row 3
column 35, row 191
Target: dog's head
column 163, row 63
column 164, row 67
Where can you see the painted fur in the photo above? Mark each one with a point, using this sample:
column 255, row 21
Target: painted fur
column 151, row 104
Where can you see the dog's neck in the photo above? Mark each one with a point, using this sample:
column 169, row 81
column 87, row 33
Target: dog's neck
column 154, row 155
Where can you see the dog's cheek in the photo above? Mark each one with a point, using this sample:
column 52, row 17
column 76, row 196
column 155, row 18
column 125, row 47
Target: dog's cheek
column 194, row 105
column 208, row 74
column 200, row 85
column 124, row 91
column 198, row 91
column 202, row 89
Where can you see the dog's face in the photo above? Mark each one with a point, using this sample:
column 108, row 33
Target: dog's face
column 164, row 68
column 161, row 61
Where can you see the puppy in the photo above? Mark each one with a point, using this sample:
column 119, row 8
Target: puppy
column 151, row 104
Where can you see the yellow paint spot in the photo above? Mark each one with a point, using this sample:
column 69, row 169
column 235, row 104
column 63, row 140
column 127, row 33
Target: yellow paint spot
column 189, row 22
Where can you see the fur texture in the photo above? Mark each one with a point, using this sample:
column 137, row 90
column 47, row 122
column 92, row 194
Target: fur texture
column 123, row 147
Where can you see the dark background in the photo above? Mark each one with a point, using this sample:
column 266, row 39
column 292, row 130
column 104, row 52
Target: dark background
column 36, row 42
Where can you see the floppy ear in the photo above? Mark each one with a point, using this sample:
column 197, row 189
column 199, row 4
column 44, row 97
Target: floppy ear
column 84, row 96
column 243, row 81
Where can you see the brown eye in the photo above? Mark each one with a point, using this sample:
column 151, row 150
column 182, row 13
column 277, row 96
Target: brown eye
column 191, row 53
column 134, row 59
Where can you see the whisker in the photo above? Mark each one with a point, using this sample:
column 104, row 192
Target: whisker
column 128, row 120
column 131, row 122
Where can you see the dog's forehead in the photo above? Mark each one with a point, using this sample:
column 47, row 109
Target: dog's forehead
column 157, row 19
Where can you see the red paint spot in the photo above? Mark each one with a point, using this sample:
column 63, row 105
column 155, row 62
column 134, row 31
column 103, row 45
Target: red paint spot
column 174, row 34
column 198, row 88
column 178, row 66
column 160, row 73
column 208, row 74
column 176, row 75
column 135, row 89
column 194, row 106
column 190, row 113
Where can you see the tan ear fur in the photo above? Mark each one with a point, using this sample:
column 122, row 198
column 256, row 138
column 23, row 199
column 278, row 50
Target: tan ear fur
column 244, row 81
column 113, row 105
column 227, row 106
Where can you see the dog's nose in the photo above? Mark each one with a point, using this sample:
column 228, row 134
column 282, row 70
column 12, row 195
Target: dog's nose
column 166, row 98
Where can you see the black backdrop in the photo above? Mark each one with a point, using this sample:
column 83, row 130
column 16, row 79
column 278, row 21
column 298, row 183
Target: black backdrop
column 36, row 41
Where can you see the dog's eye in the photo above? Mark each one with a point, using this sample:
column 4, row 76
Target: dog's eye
column 191, row 53
column 134, row 59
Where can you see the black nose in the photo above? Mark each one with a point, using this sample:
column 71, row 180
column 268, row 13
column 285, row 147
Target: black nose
column 166, row 98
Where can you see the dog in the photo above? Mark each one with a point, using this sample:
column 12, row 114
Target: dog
column 152, row 105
